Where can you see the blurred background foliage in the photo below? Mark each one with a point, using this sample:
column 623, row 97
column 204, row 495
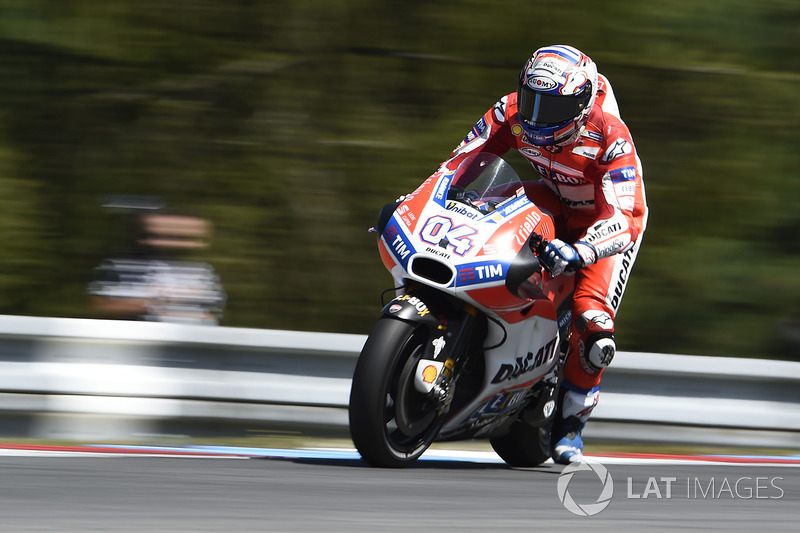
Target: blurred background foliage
column 290, row 123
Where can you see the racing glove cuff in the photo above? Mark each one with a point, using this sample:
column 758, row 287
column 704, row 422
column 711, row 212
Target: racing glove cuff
column 587, row 252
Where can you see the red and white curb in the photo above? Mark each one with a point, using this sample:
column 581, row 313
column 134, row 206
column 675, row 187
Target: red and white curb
column 232, row 452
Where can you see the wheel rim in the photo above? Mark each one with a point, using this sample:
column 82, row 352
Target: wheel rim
column 410, row 418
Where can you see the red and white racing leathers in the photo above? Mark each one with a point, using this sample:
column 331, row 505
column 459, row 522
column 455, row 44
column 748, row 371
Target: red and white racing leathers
column 594, row 190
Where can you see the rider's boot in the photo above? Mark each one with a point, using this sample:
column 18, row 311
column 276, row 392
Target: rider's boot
column 575, row 407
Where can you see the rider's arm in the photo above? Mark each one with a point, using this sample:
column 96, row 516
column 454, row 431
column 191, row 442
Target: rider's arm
column 619, row 194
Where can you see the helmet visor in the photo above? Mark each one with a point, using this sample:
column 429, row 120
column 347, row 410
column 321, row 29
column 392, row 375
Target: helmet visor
column 542, row 109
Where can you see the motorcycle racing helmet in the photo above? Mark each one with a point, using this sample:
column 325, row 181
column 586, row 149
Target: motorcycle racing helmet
column 557, row 88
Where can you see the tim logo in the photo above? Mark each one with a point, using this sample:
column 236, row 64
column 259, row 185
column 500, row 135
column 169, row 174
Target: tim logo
column 480, row 273
column 623, row 174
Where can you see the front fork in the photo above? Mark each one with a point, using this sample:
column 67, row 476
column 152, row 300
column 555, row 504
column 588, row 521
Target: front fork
column 450, row 324
column 436, row 378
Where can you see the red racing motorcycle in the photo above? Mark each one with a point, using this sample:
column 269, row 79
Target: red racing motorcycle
column 470, row 348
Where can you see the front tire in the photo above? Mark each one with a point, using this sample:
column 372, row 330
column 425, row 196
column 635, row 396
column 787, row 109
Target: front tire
column 391, row 423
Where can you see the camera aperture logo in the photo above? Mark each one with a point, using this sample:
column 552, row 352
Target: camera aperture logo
column 585, row 509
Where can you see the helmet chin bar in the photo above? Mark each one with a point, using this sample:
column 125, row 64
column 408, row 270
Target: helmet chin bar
column 572, row 137
column 555, row 135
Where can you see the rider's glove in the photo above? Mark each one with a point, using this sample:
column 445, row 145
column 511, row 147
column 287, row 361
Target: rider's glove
column 559, row 257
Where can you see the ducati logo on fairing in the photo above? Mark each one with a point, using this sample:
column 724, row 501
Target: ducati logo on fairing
column 436, row 251
column 529, row 363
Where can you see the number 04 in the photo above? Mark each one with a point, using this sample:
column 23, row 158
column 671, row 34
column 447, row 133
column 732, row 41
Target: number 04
column 438, row 227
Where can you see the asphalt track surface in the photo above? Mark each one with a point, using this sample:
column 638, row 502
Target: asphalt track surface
column 237, row 490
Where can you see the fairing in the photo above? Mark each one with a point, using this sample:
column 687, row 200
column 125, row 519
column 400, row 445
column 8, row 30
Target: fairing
column 461, row 230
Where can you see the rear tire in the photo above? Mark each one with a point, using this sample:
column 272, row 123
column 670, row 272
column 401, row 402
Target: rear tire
column 524, row 445
column 391, row 423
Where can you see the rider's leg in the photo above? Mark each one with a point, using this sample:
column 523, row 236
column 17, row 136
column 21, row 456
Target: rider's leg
column 598, row 293
column 591, row 350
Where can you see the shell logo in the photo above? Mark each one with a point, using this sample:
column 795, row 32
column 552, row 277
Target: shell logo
column 429, row 374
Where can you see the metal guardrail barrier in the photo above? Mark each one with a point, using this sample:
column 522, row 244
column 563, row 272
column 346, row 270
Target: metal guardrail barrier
column 84, row 379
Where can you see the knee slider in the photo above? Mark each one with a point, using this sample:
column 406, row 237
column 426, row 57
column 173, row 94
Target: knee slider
column 600, row 350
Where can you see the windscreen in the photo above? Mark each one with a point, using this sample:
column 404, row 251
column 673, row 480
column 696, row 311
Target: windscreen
column 484, row 180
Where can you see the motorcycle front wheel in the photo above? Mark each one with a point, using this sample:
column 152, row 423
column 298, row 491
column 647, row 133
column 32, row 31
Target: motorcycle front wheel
column 391, row 423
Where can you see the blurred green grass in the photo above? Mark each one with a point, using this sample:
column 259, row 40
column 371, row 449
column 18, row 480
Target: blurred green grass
column 289, row 124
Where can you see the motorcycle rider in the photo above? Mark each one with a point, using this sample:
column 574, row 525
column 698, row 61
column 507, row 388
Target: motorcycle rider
column 565, row 121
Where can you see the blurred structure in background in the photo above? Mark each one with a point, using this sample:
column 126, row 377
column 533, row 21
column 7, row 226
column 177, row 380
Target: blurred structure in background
column 154, row 278
column 289, row 124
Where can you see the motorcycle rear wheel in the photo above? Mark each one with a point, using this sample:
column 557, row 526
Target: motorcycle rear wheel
column 524, row 445
column 391, row 423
